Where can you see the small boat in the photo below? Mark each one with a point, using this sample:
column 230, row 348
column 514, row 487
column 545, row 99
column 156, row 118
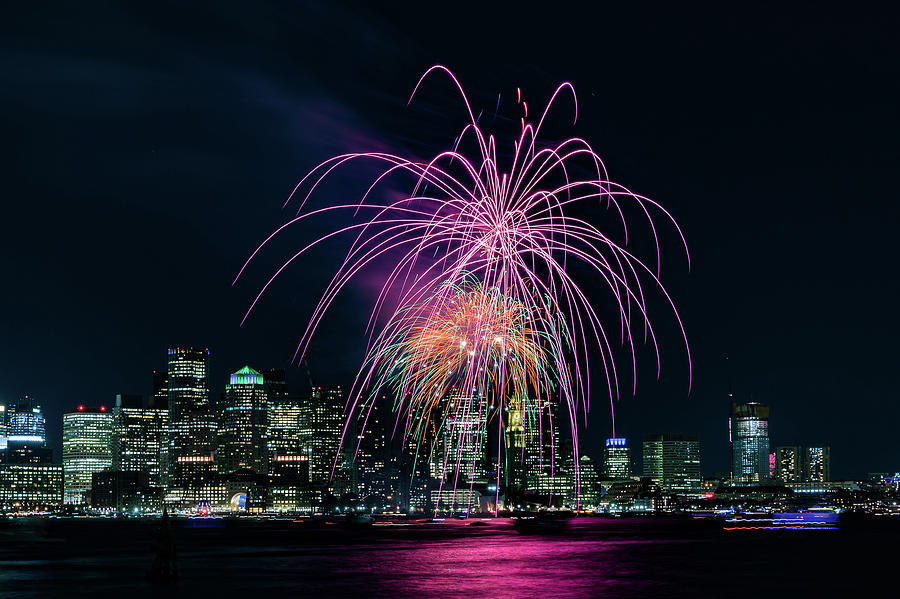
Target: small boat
column 542, row 523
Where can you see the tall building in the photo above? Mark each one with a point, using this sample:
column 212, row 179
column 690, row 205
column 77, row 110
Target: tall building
column 617, row 459
column 192, row 430
column 817, row 464
column 590, row 481
column 461, row 439
column 159, row 398
column 30, row 487
column 673, row 462
column 284, row 425
column 321, row 426
column 748, row 430
column 140, row 438
column 545, row 463
column 27, row 433
column 87, row 448
column 371, row 452
column 789, row 463
column 243, row 424
column 4, row 433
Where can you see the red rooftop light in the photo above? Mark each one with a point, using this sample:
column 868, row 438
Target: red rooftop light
column 81, row 408
column 102, row 408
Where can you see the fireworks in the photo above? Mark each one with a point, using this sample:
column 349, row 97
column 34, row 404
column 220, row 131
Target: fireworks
column 481, row 294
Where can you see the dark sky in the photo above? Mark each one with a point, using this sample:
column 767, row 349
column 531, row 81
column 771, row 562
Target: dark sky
column 148, row 150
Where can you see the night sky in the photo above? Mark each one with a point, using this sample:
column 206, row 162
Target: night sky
column 148, row 150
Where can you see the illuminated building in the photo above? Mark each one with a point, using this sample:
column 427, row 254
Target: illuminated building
column 192, row 431
column 27, row 433
column 817, row 464
column 31, row 487
column 371, row 459
column 87, row 448
column 289, row 488
column 515, row 449
column 789, row 463
column 284, row 421
column 243, row 424
column 590, row 481
column 461, row 438
column 140, row 438
column 673, row 462
column 4, row 433
column 545, row 464
column 159, row 399
column 321, row 427
column 617, row 459
column 459, row 500
column 124, row 492
column 748, row 430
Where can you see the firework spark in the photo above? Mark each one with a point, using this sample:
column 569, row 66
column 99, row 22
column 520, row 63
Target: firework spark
column 497, row 235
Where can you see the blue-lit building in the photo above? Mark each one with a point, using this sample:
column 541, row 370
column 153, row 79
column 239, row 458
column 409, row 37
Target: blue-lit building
column 748, row 430
column 617, row 459
column 27, row 433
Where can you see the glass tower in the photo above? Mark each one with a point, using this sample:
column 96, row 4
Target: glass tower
column 673, row 462
column 192, row 428
column 27, row 433
column 87, row 448
column 617, row 459
column 140, row 439
column 748, row 430
column 243, row 424
column 321, row 427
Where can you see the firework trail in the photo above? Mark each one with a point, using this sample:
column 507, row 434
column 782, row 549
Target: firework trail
column 488, row 241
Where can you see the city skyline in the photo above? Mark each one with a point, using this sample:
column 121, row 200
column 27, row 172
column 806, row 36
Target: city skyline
column 762, row 288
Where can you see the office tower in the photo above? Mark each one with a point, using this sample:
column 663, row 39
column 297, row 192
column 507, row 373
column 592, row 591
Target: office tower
column 617, row 459
column 30, row 487
column 515, row 449
column 748, row 430
column 140, row 438
column 371, row 459
column 276, row 384
column 87, row 448
column 192, row 430
column 124, row 492
column 321, row 427
column 673, row 462
column 545, row 473
column 243, row 424
column 27, row 433
column 416, row 481
column 4, row 433
column 458, row 458
column 284, row 425
column 817, row 464
column 589, row 477
column 159, row 398
column 789, row 463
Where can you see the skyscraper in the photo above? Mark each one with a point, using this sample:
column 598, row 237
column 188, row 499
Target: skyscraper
column 321, row 427
column 243, row 424
column 140, row 438
column 673, row 462
column 87, row 448
column 458, row 458
column 192, row 429
column 4, row 433
column 370, row 446
column 27, row 440
column 159, row 398
column 617, row 459
column 748, row 430
column 817, row 464
column 789, row 463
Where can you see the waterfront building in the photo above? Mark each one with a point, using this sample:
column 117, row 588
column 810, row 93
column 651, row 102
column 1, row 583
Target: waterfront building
column 673, row 462
column 284, row 423
column 159, row 398
column 243, row 424
column 4, row 433
column 27, row 433
column 31, row 487
column 124, row 492
column 748, row 430
column 817, row 464
column 617, row 459
column 458, row 459
column 140, row 438
column 545, row 463
column 192, row 431
column 515, row 449
column 789, row 463
column 371, row 453
column 589, row 477
column 321, row 428
column 87, row 448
